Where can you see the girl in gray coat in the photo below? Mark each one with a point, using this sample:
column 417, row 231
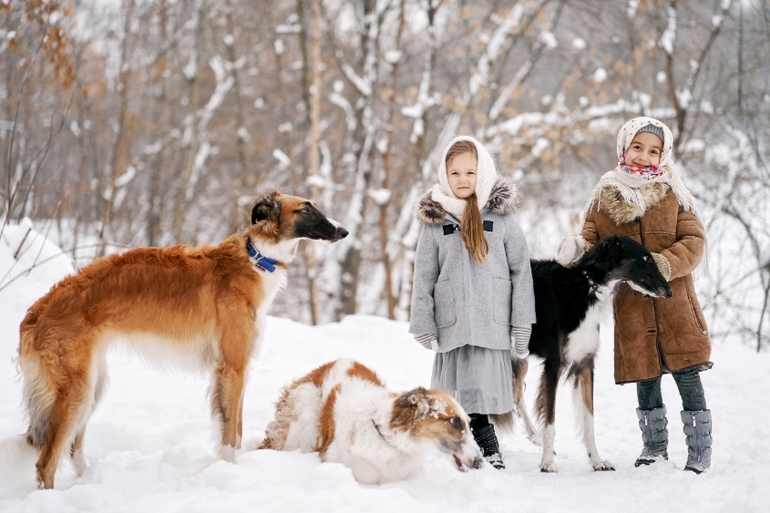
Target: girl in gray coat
column 473, row 301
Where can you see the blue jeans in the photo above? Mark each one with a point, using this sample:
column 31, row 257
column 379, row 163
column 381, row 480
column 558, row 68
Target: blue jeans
column 690, row 388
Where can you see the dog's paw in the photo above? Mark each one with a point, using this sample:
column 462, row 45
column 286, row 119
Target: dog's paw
column 535, row 438
column 603, row 465
column 548, row 466
column 227, row 453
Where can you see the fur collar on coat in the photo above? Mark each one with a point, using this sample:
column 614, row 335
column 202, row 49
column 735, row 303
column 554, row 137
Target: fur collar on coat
column 610, row 200
column 503, row 199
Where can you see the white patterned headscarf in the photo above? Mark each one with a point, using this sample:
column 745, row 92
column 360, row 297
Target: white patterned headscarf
column 486, row 176
column 628, row 183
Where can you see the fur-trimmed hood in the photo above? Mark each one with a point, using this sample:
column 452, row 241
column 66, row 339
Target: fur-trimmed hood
column 503, row 199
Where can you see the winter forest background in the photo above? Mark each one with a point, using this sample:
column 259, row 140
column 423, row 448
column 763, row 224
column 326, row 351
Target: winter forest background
column 129, row 123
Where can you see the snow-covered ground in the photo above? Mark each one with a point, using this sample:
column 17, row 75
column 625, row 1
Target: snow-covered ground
column 150, row 445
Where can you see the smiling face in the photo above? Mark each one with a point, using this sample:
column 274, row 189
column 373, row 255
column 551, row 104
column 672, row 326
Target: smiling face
column 644, row 150
column 461, row 174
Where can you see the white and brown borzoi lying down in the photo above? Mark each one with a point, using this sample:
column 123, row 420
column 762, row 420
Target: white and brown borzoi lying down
column 344, row 412
column 569, row 303
column 202, row 307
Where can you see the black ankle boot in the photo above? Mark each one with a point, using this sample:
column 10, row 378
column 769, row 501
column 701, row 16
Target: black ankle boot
column 487, row 440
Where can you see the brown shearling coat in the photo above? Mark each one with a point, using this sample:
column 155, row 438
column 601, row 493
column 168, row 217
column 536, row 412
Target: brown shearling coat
column 655, row 335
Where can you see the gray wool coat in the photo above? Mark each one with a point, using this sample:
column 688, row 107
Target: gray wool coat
column 464, row 302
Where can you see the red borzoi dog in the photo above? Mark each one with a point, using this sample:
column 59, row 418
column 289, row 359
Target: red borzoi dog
column 207, row 304
column 569, row 303
column 344, row 412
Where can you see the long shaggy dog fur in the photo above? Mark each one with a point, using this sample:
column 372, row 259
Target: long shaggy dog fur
column 204, row 307
column 569, row 305
column 343, row 411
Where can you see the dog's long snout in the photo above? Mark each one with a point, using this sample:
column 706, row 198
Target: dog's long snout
column 342, row 232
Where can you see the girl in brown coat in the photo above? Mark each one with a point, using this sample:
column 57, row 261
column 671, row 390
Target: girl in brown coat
column 644, row 198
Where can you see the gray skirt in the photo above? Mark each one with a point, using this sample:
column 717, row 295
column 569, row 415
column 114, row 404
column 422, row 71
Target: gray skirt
column 480, row 379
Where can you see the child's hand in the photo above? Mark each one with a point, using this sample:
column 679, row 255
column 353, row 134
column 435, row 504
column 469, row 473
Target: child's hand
column 520, row 341
column 427, row 340
column 571, row 250
column 664, row 266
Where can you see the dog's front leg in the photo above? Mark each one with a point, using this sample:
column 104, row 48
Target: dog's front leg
column 226, row 401
column 583, row 401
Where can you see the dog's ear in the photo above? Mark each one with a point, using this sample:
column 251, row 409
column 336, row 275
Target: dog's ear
column 266, row 208
column 616, row 249
column 611, row 249
column 416, row 400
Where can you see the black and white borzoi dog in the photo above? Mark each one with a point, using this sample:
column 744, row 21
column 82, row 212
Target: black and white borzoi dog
column 569, row 305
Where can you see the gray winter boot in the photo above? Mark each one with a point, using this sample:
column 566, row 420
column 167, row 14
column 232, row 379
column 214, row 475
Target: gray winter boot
column 697, row 427
column 654, row 435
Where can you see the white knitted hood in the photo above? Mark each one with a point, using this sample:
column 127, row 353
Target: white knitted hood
column 672, row 176
column 486, row 176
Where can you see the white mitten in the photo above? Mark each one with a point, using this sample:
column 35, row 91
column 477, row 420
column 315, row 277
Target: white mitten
column 664, row 266
column 520, row 341
column 427, row 340
column 571, row 250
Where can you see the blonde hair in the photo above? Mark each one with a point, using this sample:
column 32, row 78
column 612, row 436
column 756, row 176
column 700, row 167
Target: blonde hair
column 472, row 228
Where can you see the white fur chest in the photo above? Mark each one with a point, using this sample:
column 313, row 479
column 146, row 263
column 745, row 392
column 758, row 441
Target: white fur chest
column 272, row 283
column 585, row 339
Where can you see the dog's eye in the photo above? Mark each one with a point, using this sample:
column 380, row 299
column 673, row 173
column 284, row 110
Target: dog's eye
column 646, row 258
column 456, row 423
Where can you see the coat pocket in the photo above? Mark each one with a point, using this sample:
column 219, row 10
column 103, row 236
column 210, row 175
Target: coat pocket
column 502, row 291
column 695, row 308
column 444, row 301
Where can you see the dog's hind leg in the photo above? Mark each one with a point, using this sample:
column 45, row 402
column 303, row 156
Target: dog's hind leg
column 76, row 452
column 520, row 367
column 65, row 416
column 582, row 374
column 100, row 379
column 545, row 405
column 239, row 436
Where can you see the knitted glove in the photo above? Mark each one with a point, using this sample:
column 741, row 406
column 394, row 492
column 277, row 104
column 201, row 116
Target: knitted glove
column 663, row 265
column 571, row 250
column 427, row 340
column 520, row 341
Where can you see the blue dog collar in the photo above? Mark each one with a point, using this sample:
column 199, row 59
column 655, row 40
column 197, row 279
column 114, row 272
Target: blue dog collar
column 260, row 260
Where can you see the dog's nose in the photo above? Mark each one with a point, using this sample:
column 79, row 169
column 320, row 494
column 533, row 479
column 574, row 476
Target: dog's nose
column 342, row 232
column 478, row 463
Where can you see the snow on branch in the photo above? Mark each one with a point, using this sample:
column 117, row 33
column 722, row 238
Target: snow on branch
column 669, row 35
column 363, row 86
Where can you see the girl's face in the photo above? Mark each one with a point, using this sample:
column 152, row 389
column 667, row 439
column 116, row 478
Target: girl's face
column 461, row 175
column 644, row 150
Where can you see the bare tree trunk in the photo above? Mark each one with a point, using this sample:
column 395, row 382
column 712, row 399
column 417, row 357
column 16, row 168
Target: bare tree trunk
column 154, row 196
column 191, row 129
column 385, row 202
column 246, row 181
column 314, row 155
column 120, row 146
column 343, row 271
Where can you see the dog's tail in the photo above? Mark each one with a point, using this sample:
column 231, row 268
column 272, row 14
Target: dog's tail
column 503, row 422
column 37, row 389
